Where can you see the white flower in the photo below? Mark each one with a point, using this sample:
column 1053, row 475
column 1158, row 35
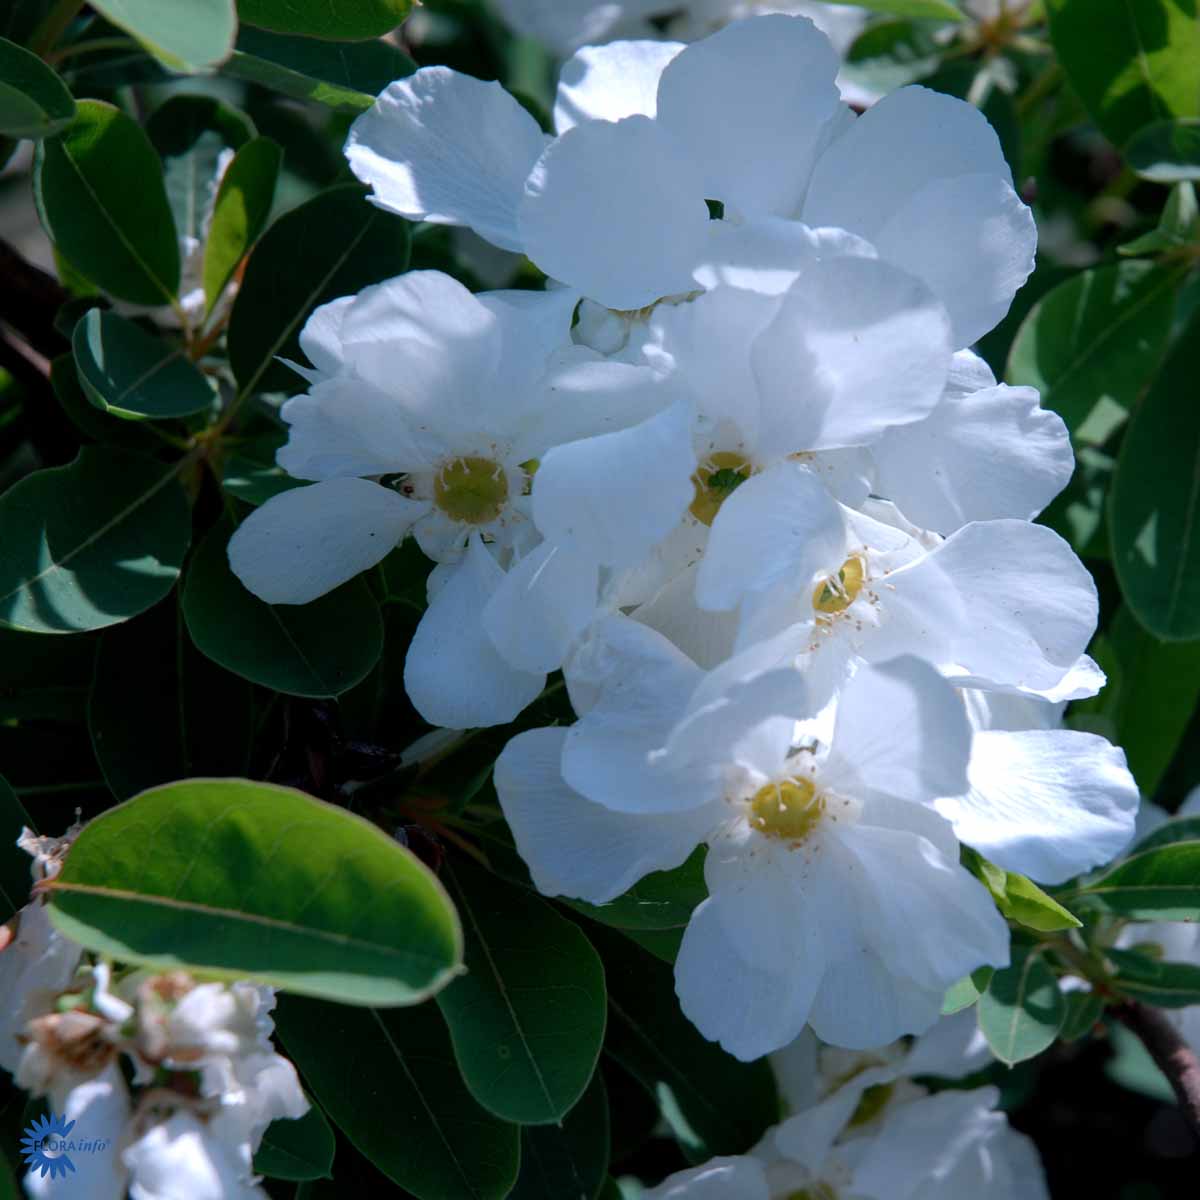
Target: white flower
column 824, row 853
column 616, row 205
column 182, row 1158
column 944, row 1147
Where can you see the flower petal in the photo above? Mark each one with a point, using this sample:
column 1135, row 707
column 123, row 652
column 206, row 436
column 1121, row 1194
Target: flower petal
column 574, row 847
column 453, row 674
column 606, row 83
column 305, row 542
column 1049, row 803
column 444, row 147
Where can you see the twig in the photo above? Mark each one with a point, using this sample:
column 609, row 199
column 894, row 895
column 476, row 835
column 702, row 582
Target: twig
column 1173, row 1056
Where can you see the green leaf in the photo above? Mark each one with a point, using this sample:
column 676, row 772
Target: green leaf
column 1152, row 690
column 933, row 10
column 1132, row 62
column 1163, row 984
column 94, row 423
column 184, row 36
column 345, row 78
column 967, row 991
column 527, row 1018
column 1162, row 884
column 349, row 21
column 1178, row 829
column 1178, row 225
column 1091, row 344
column 34, row 102
column 404, row 1104
column 318, row 649
column 92, row 543
column 45, row 678
column 567, row 1161
column 240, row 213
column 16, row 878
column 1084, row 1009
column 159, row 710
column 1155, row 501
column 1167, row 151
column 713, row 1103
column 297, row 1149
column 219, row 876
column 660, row 900
column 281, row 287
column 891, row 54
column 250, row 472
column 100, row 196
column 128, row 372
column 1133, row 1068
column 1018, row 898
column 1023, row 1009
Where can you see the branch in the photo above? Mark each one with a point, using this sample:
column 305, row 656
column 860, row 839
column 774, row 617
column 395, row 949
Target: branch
column 1173, row 1056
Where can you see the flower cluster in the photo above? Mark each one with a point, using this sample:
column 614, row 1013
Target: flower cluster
column 172, row 1081
column 736, row 473
column 862, row 1126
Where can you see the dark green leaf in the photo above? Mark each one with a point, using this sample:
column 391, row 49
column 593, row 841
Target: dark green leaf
column 281, row 287
column 1084, row 1009
column 567, row 1161
column 1133, row 1068
column 1167, row 151
column 661, row 900
column 45, row 678
column 130, row 373
column 1090, row 345
column 1179, row 829
column 220, row 875
column 16, row 877
column 713, row 1103
column 159, row 710
column 527, row 1018
column 240, row 213
column 404, row 1104
column 177, row 124
column 967, row 991
column 94, row 423
column 890, row 54
column 250, row 472
column 1152, row 981
column 184, row 36
column 1023, row 1009
column 1177, row 226
column 1155, row 500
column 92, row 543
column 34, row 102
column 345, row 22
column 299, row 1149
column 934, row 10
column 318, row 649
column 1162, row 884
column 1132, row 62
column 346, row 78
column 100, row 196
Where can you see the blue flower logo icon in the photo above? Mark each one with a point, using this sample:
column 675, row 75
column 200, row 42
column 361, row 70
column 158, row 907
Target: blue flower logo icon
column 42, row 1147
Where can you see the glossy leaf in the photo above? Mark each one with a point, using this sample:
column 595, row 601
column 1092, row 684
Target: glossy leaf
column 403, row 1105
column 1178, row 829
column 250, row 472
column 567, row 1161
column 1167, row 151
column 1132, row 62
column 1023, row 1008
column 184, row 36
column 1161, row 884
column 100, row 195
column 1155, row 503
column 281, row 287
column 318, row 649
column 1084, row 1009
column 1019, row 898
column 1152, row 981
column 34, row 102
column 713, row 1103
column 350, row 21
column 1091, row 344
column 660, row 900
column 527, row 1019
column 240, row 213
column 16, row 878
column 345, row 78
column 159, row 710
column 219, row 875
column 297, row 1149
column 92, row 543
column 130, row 373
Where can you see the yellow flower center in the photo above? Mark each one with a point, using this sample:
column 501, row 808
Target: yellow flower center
column 715, row 481
column 471, row 490
column 835, row 593
column 789, row 810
